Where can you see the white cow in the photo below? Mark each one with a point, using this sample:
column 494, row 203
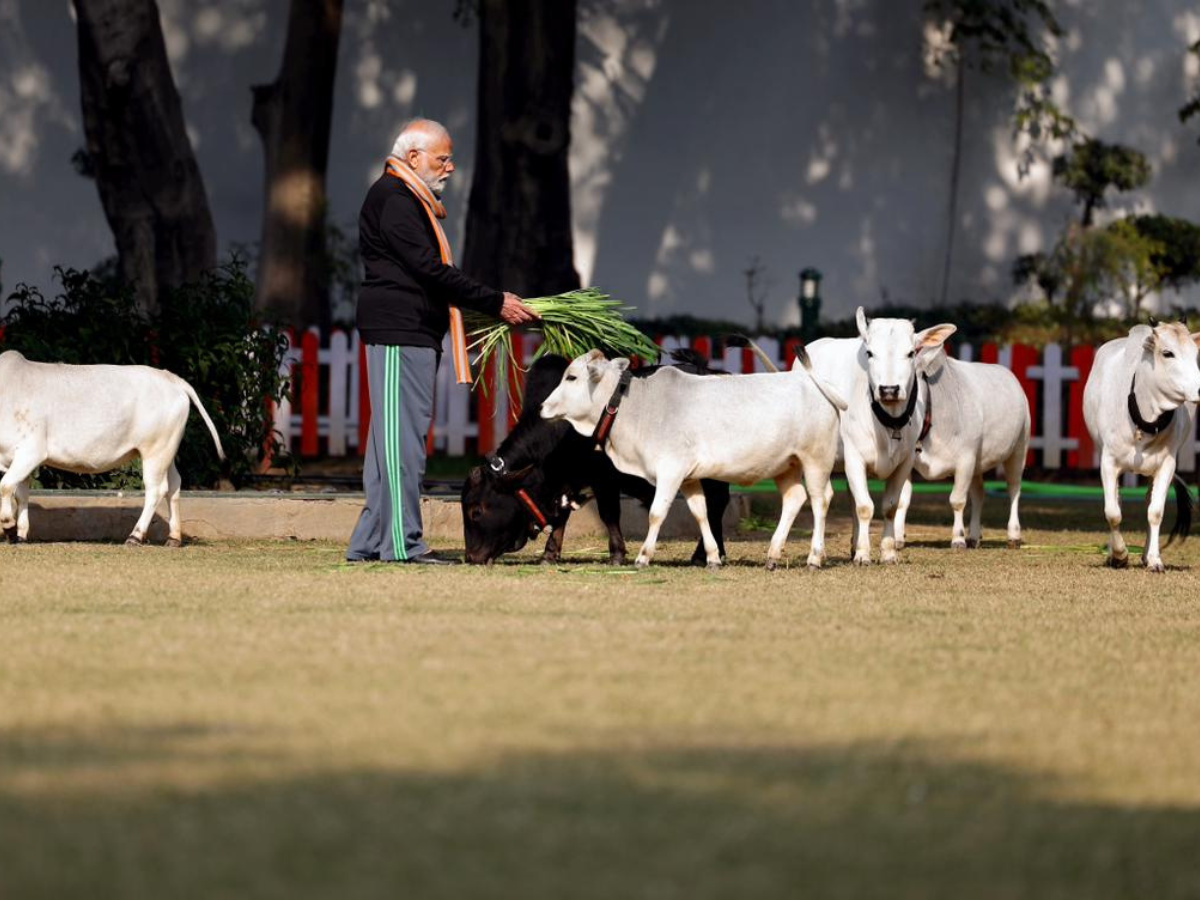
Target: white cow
column 91, row 419
column 1138, row 405
column 674, row 429
column 977, row 419
column 877, row 373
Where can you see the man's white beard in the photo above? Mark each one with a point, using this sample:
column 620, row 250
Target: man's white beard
column 437, row 185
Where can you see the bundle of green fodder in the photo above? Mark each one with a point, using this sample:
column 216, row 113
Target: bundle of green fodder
column 571, row 324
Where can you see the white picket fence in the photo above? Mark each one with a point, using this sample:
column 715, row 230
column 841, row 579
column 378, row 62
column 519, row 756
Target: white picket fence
column 328, row 416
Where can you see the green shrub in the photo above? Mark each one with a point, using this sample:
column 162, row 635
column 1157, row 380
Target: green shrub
column 207, row 333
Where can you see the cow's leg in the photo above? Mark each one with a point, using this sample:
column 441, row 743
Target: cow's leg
column 21, row 498
column 856, row 478
column 1154, row 514
column 1110, row 472
column 891, row 500
column 1014, row 468
column 173, row 481
column 820, row 490
column 975, row 535
column 902, row 512
column 693, row 492
column 152, row 478
column 27, row 458
column 959, row 492
column 608, row 506
column 716, row 497
column 793, row 494
column 664, row 493
column 554, row 542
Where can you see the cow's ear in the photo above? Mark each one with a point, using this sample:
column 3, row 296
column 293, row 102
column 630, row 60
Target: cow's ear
column 517, row 476
column 476, row 476
column 593, row 356
column 933, row 337
column 620, row 364
column 1196, row 338
column 596, row 367
column 861, row 318
column 1151, row 342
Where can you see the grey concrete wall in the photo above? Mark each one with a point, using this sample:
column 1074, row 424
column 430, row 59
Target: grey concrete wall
column 807, row 133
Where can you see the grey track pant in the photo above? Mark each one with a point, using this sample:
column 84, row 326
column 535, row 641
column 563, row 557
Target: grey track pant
column 401, row 382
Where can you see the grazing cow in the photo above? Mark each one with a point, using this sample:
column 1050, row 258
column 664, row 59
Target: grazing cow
column 540, row 472
column 1138, row 407
column 674, row 429
column 976, row 418
column 877, row 373
column 91, row 419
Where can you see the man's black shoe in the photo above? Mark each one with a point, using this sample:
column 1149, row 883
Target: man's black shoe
column 429, row 558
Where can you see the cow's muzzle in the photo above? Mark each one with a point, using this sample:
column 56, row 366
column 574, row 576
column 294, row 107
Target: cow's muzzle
column 889, row 393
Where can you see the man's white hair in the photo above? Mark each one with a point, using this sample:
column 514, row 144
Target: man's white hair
column 418, row 135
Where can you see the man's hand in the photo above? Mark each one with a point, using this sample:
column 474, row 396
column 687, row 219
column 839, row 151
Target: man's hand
column 514, row 312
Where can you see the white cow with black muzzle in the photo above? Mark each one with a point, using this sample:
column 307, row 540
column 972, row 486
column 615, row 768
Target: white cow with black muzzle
column 674, row 429
column 877, row 374
column 91, row 419
column 1139, row 407
column 976, row 418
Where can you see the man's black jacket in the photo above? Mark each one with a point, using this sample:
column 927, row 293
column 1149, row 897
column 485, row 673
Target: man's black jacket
column 407, row 289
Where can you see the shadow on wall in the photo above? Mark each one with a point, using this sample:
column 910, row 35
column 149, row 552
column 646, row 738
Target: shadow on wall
column 889, row 820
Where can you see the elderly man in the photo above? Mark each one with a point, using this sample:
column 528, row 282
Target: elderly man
column 409, row 297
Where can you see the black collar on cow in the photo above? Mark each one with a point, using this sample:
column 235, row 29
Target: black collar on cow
column 604, row 426
column 1158, row 426
column 895, row 423
column 928, row 409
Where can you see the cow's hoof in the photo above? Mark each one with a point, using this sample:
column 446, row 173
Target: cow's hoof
column 617, row 559
column 889, row 560
column 1156, row 566
column 641, row 562
column 1118, row 563
column 973, row 543
column 900, row 545
column 772, row 564
column 714, row 566
column 814, row 561
column 862, row 560
column 958, row 544
column 134, row 541
column 548, row 560
column 173, row 543
column 11, row 535
column 1014, row 543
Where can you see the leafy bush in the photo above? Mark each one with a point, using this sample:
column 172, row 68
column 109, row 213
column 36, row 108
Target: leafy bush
column 206, row 333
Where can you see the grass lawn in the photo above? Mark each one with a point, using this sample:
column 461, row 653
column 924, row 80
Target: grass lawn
column 261, row 720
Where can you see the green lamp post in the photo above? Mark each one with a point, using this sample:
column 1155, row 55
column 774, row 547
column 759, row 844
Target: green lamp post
column 810, row 303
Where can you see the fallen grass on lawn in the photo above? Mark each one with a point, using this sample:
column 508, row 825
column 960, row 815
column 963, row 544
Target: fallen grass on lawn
column 263, row 720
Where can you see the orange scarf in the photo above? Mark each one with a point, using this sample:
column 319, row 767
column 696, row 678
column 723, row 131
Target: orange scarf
column 435, row 210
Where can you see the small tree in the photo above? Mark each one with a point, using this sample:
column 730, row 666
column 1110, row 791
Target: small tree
column 990, row 35
column 1093, row 167
column 757, row 287
column 1176, row 258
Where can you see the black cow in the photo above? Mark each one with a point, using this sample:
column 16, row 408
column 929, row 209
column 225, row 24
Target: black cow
column 542, row 471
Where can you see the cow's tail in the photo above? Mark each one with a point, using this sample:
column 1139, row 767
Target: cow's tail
column 204, row 415
column 823, row 386
column 1183, row 512
column 740, row 340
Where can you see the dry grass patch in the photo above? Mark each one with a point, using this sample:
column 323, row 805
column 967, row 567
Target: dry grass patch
column 262, row 720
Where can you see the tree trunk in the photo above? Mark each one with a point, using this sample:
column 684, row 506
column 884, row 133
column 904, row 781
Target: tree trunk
column 955, row 166
column 150, row 185
column 292, row 115
column 518, row 234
